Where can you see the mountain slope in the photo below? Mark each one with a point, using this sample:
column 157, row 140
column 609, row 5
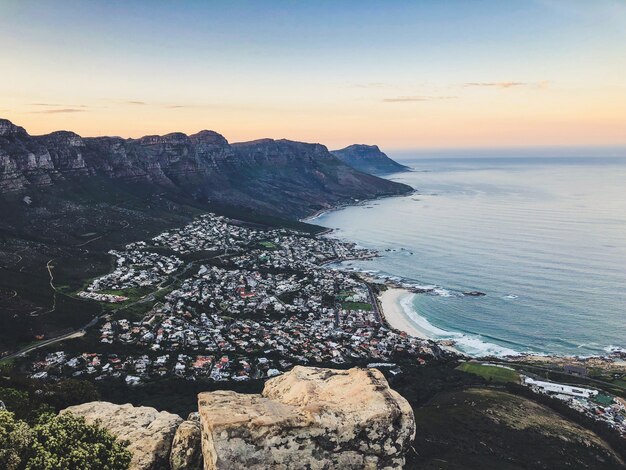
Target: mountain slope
column 279, row 177
column 369, row 159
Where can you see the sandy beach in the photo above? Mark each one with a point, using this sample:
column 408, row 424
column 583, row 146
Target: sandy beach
column 394, row 314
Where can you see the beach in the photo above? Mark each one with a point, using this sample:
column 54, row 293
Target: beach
column 394, row 314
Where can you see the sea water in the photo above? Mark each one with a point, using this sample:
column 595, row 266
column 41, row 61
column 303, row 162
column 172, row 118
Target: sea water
column 544, row 239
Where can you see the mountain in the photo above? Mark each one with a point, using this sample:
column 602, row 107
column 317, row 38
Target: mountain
column 278, row 177
column 67, row 200
column 369, row 159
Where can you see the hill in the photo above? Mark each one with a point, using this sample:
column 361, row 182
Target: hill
column 368, row 159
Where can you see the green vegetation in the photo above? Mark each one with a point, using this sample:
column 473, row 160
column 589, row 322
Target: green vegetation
column 490, row 373
column 269, row 245
column 29, row 400
column 59, row 443
column 356, row 306
column 133, row 293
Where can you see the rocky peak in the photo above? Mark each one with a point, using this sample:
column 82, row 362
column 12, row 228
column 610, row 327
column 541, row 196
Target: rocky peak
column 209, row 137
column 68, row 138
column 8, row 128
column 172, row 138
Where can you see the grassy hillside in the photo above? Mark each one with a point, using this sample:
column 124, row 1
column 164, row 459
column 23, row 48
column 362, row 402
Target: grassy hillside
column 491, row 429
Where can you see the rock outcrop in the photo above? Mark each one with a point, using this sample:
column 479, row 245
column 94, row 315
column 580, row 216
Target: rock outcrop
column 308, row 418
column 148, row 431
column 186, row 447
column 369, row 159
column 277, row 177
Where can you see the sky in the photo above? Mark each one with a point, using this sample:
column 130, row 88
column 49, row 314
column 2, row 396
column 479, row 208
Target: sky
column 400, row 74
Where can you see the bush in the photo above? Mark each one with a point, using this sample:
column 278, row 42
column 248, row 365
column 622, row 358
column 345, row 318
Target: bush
column 15, row 440
column 63, row 442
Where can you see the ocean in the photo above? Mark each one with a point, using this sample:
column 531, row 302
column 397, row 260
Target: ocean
column 543, row 238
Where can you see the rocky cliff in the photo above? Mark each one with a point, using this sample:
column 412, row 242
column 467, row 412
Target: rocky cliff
column 369, row 159
column 274, row 176
column 149, row 432
column 307, row 418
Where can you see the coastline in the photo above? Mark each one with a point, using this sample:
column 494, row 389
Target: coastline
column 394, row 315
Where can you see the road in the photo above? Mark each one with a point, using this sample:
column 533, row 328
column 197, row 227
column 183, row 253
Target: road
column 81, row 331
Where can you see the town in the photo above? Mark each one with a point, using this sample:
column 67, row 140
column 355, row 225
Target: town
column 240, row 302
column 251, row 304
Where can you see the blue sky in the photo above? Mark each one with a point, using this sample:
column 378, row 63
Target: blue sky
column 403, row 74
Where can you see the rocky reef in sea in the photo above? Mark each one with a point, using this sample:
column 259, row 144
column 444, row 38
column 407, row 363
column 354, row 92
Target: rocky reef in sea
column 307, row 418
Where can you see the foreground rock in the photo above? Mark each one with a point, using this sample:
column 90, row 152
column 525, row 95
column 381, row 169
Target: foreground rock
column 308, row 418
column 186, row 447
column 149, row 431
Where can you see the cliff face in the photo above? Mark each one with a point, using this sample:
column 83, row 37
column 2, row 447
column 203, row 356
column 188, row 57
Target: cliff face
column 276, row 176
column 369, row 159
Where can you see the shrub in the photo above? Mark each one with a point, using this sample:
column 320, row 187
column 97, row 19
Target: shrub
column 63, row 442
column 15, row 440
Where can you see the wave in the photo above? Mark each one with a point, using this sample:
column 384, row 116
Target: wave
column 469, row 344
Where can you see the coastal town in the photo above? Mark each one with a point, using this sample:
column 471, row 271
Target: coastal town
column 231, row 301
column 251, row 304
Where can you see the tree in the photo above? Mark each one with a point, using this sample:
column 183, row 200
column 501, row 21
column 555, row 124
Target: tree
column 67, row 442
column 15, row 440
column 16, row 401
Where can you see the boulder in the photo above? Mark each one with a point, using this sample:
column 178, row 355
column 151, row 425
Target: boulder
column 186, row 448
column 149, row 432
column 308, row 418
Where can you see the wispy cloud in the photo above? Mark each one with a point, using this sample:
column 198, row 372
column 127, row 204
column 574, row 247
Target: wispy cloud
column 136, row 102
column 496, row 84
column 62, row 110
column 369, row 85
column 56, row 105
column 414, row 99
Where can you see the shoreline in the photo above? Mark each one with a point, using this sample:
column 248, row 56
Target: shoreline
column 396, row 318
column 394, row 315
column 342, row 205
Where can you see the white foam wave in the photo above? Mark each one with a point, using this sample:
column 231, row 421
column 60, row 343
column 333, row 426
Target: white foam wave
column 441, row 292
column 469, row 344
column 510, row 296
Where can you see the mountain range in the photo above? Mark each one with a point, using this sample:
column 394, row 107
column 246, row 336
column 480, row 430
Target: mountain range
column 280, row 177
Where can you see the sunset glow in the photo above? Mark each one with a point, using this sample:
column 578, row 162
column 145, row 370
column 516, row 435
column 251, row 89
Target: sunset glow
column 463, row 74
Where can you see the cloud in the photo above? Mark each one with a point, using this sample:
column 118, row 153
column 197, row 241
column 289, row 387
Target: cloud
column 136, row 102
column 62, row 110
column 56, row 105
column 413, row 99
column 177, row 106
column 369, row 85
column 496, row 84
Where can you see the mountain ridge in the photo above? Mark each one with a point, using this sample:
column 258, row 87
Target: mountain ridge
column 275, row 176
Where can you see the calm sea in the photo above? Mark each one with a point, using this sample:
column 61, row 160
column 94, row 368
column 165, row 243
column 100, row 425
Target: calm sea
column 545, row 239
